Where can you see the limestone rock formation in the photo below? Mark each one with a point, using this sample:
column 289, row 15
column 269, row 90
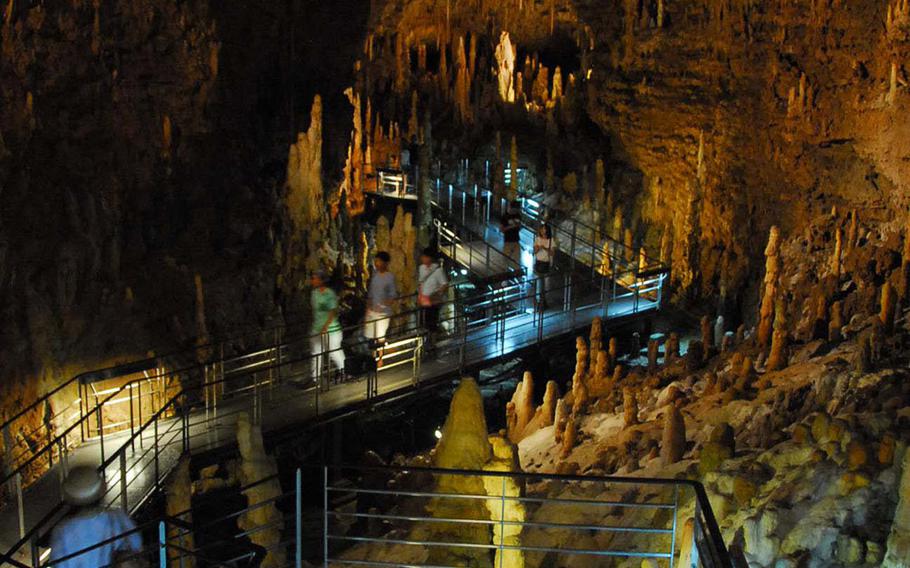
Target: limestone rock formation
column 673, row 439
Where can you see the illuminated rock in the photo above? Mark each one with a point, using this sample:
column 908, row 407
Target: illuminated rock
column 179, row 501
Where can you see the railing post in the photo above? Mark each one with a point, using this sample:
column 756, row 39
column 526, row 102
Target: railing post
column 675, row 515
column 325, row 517
column 20, row 506
column 162, row 545
column 502, row 523
column 298, row 517
column 36, row 553
column 156, row 451
column 123, row 502
column 100, row 408
column 139, row 408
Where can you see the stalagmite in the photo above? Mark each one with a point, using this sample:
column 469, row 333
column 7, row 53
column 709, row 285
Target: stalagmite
column 613, row 351
column 556, row 94
column 595, row 341
column 653, row 351
column 202, row 332
column 560, row 416
column 707, row 333
column 836, row 321
column 523, row 401
column 505, row 58
column 262, row 510
column 718, row 330
column 671, row 348
column 772, row 275
column 179, row 502
column 660, row 13
column 579, row 389
column 777, row 358
column 464, row 444
column 888, row 307
column 545, row 413
column 353, row 184
column 673, row 440
column 570, row 437
column 629, row 407
column 505, row 510
column 892, row 89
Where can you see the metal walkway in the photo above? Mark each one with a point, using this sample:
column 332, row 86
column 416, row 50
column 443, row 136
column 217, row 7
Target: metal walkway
column 139, row 428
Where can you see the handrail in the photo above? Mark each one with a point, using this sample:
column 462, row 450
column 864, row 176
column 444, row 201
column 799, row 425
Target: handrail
column 706, row 537
column 478, row 308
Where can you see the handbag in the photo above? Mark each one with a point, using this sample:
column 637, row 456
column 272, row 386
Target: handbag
column 425, row 300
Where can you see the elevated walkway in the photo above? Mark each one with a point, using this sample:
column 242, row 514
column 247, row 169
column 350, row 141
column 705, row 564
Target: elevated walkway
column 138, row 420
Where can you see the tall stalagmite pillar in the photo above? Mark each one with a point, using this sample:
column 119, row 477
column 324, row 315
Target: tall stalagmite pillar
column 770, row 288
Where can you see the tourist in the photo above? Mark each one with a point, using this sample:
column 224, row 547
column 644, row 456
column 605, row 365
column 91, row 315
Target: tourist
column 544, row 249
column 88, row 525
column 381, row 296
column 510, row 225
column 431, row 288
column 326, row 331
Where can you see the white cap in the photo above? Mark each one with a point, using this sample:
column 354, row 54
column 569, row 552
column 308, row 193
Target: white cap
column 83, row 486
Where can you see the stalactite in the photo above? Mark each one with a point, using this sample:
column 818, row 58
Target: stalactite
column 352, row 186
column 422, row 58
column 888, row 306
column 402, row 65
column 892, row 89
column 413, row 124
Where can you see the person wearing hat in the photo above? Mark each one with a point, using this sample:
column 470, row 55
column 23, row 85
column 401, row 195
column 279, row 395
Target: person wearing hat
column 431, row 288
column 325, row 328
column 88, row 525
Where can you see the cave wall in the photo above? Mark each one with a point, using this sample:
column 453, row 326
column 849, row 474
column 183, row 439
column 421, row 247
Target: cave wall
column 718, row 118
column 143, row 146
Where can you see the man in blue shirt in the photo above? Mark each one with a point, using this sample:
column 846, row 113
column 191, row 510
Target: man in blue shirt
column 381, row 296
column 89, row 524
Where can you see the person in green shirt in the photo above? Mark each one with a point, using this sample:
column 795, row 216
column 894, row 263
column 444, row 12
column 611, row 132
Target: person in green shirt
column 325, row 328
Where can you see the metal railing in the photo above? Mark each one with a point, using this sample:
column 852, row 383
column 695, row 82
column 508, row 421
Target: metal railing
column 485, row 261
column 478, row 328
column 414, row 517
column 442, row 515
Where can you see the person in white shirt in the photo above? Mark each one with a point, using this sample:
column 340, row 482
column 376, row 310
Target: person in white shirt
column 431, row 288
column 544, row 251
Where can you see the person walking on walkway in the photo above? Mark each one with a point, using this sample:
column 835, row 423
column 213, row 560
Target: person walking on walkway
column 544, row 249
column 325, row 329
column 89, row 525
column 381, row 296
column 510, row 225
column 431, row 288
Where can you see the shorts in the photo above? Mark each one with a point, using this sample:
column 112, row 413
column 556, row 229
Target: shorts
column 375, row 325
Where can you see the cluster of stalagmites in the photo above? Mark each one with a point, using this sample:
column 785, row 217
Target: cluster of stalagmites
column 809, row 394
